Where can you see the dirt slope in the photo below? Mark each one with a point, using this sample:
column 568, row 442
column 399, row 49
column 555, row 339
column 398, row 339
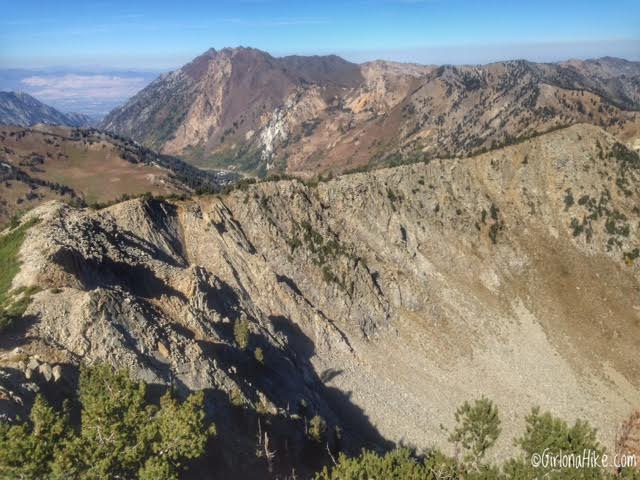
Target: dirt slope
column 85, row 166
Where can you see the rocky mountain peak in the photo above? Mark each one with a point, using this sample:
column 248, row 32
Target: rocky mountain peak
column 244, row 109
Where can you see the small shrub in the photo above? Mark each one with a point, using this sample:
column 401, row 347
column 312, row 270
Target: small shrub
column 328, row 276
column 477, row 429
column 568, row 200
column 583, row 200
column 317, row 429
column 576, row 226
column 493, row 232
column 235, row 397
column 259, row 355
column 241, row 332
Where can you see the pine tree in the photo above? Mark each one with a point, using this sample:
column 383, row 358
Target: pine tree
column 241, row 332
column 396, row 465
column 114, row 432
column 477, row 429
column 120, row 435
column 551, row 436
column 179, row 433
column 27, row 449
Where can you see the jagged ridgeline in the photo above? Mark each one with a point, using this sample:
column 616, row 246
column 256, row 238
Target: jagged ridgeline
column 360, row 310
column 21, row 109
column 243, row 108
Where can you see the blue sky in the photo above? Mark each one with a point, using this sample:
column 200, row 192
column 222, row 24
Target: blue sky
column 164, row 34
column 91, row 55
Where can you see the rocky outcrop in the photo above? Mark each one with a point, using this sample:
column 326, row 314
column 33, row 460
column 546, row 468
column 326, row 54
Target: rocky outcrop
column 381, row 300
column 23, row 375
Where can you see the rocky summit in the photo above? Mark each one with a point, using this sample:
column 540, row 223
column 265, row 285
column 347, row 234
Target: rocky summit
column 378, row 300
column 244, row 109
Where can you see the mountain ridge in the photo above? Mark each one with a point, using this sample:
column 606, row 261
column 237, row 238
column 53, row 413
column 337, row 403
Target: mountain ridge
column 87, row 166
column 23, row 110
column 245, row 109
column 382, row 295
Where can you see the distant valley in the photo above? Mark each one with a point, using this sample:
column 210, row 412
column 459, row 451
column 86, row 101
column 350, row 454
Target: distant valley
column 84, row 166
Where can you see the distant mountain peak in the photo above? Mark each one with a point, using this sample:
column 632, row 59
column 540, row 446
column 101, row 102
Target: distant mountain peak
column 245, row 109
column 21, row 109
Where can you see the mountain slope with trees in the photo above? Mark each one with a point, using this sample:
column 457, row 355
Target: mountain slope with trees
column 21, row 109
column 86, row 166
column 245, row 109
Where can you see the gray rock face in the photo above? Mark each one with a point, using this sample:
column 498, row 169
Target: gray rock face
column 17, row 393
column 56, row 373
column 382, row 299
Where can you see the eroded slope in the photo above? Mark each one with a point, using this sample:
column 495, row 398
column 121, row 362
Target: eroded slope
column 382, row 299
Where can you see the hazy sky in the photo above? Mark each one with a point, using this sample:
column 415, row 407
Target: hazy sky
column 162, row 34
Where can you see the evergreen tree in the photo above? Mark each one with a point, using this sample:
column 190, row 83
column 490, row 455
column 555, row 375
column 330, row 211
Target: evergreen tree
column 27, row 449
column 477, row 429
column 178, row 433
column 396, row 465
column 120, row 435
column 115, row 426
column 241, row 332
column 546, row 435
